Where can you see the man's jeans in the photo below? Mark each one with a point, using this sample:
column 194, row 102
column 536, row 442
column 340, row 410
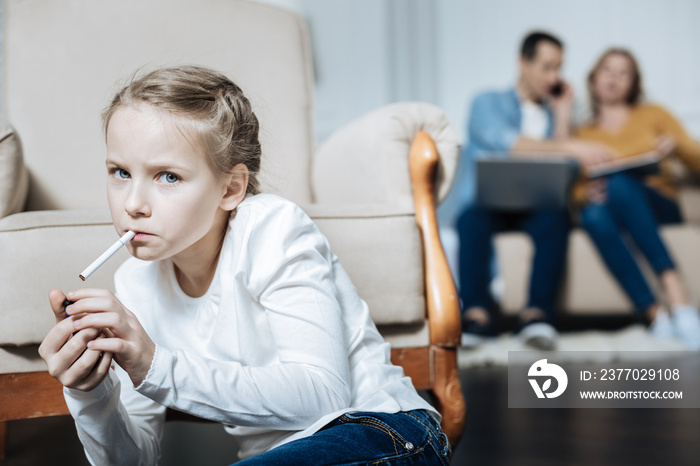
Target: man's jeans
column 638, row 210
column 549, row 230
column 404, row 438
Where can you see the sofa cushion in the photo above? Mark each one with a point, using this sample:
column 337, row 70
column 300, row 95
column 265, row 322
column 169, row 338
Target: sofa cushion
column 588, row 286
column 379, row 247
column 684, row 245
column 18, row 359
column 406, row 336
column 69, row 240
column 689, row 200
column 13, row 174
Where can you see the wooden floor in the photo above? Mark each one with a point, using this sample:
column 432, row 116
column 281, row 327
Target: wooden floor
column 495, row 435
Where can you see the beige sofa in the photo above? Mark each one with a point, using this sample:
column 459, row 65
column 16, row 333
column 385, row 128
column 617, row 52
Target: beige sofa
column 62, row 60
column 588, row 287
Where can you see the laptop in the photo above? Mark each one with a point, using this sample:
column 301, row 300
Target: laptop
column 509, row 184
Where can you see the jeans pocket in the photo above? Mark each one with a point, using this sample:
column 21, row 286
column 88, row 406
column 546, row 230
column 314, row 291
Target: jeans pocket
column 381, row 423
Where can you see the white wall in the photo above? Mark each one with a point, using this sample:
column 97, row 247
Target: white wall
column 372, row 52
column 478, row 42
column 368, row 53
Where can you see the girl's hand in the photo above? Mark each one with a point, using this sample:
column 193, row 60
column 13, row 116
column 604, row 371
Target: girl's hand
column 66, row 353
column 98, row 309
column 665, row 145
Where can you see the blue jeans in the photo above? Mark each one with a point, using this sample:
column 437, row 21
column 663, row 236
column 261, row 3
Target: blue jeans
column 404, row 438
column 549, row 230
column 634, row 208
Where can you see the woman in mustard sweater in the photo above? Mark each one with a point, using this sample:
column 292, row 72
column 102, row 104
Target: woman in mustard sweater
column 635, row 204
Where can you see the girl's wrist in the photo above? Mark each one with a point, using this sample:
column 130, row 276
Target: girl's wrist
column 141, row 374
column 102, row 390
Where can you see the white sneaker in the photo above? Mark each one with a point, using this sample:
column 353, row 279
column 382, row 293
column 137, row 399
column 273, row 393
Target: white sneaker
column 662, row 327
column 687, row 326
column 538, row 334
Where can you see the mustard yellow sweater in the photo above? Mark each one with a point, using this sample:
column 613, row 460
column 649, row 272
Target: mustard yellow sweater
column 646, row 123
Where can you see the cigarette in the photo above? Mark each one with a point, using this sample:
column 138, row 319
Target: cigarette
column 128, row 236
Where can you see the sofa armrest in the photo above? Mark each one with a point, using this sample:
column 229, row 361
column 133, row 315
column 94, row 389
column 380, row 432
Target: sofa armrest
column 14, row 179
column 379, row 247
column 441, row 293
column 366, row 161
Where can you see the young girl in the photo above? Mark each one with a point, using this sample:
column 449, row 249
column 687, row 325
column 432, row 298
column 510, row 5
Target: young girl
column 233, row 309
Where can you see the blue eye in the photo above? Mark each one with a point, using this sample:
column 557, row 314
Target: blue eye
column 169, row 178
column 121, row 174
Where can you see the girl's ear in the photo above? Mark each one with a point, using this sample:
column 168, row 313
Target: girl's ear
column 236, row 188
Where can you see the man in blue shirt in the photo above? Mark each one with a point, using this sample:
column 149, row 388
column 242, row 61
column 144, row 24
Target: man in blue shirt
column 535, row 116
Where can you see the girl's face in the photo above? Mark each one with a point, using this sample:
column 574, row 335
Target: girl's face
column 613, row 80
column 161, row 186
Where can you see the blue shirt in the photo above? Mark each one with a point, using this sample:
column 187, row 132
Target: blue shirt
column 493, row 128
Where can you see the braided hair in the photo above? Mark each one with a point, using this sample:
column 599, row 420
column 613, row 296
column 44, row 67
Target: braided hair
column 209, row 110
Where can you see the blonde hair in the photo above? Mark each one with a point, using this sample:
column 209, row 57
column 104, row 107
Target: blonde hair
column 212, row 111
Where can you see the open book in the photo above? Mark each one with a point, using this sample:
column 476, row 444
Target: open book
column 642, row 164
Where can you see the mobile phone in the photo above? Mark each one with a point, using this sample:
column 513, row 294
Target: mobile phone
column 557, row 89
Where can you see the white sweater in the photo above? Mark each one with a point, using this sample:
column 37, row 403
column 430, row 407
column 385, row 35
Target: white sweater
column 280, row 345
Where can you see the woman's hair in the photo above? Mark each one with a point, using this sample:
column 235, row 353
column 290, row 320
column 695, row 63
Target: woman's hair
column 210, row 110
column 635, row 94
